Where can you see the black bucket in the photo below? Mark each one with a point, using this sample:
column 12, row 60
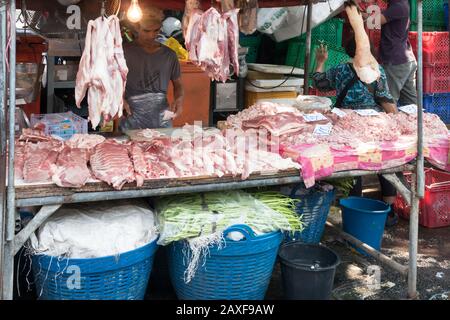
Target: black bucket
column 307, row 270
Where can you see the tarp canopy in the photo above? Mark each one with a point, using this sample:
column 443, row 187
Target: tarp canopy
column 179, row 4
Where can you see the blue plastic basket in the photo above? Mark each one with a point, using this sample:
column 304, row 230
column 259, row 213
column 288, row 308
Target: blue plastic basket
column 314, row 208
column 241, row 270
column 123, row 277
column 438, row 103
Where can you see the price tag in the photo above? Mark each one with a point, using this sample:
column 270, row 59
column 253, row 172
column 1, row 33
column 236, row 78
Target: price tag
column 323, row 129
column 313, row 117
column 409, row 109
column 367, row 112
column 338, row 112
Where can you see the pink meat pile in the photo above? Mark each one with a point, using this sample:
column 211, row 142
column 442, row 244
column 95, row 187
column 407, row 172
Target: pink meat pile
column 212, row 41
column 353, row 130
column 206, row 153
column 103, row 71
column 41, row 158
column 196, row 152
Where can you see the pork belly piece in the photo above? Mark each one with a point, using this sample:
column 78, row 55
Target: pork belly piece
column 111, row 163
column 39, row 161
column 71, row 168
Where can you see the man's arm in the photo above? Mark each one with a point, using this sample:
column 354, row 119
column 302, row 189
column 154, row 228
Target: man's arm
column 178, row 92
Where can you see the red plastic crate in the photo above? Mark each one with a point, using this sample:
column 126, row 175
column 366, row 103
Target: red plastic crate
column 435, row 206
column 435, row 46
column 375, row 37
column 436, row 78
column 328, row 94
column 364, row 4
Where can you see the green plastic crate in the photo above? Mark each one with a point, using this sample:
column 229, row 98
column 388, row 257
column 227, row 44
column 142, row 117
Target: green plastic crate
column 252, row 42
column 428, row 27
column 336, row 55
column 296, row 53
column 433, row 13
column 329, row 31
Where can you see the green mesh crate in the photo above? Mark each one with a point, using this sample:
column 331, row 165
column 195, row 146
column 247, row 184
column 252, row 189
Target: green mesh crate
column 296, row 55
column 336, row 56
column 428, row 27
column 433, row 13
column 252, row 42
column 329, row 31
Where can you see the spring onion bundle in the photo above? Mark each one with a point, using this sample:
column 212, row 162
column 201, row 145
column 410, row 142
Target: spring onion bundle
column 193, row 215
column 201, row 219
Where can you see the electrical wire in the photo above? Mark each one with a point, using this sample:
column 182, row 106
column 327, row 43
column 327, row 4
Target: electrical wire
column 293, row 67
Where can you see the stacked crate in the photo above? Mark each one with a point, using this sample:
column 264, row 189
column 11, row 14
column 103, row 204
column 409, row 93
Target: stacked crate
column 436, row 72
column 328, row 33
column 433, row 15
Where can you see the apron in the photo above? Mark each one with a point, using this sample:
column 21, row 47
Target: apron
column 147, row 112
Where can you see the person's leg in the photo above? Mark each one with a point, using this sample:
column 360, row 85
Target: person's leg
column 357, row 188
column 395, row 79
column 389, row 194
column 408, row 94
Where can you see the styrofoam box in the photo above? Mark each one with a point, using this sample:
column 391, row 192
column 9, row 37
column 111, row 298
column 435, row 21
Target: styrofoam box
column 294, row 82
column 251, row 88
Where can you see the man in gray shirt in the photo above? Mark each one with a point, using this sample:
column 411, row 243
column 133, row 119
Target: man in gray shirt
column 151, row 68
column 396, row 53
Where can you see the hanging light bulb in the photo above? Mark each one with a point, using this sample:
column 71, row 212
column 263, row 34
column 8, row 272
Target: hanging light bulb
column 134, row 13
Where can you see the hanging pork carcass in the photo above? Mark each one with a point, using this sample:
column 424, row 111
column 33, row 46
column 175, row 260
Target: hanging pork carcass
column 103, row 71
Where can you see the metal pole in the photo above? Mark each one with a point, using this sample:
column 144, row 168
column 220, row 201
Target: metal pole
column 171, row 190
column 413, row 235
column 2, row 140
column 44, row 213
column 11, row 206
column 308, row 49
column 420, row 159
column 370, row 250
column 417, row 186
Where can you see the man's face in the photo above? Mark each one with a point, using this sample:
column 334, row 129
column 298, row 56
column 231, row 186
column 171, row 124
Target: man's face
column 148, row 31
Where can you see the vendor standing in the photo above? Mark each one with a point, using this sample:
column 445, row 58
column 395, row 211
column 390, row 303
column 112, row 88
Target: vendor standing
column 151, row 68
column 396, row 53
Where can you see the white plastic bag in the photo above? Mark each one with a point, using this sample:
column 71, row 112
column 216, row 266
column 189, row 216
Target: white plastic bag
column 287, row 23
column 270, row 19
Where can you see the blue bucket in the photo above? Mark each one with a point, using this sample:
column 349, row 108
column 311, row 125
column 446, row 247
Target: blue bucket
column 241, row 270
column 364, row 219
column 122, row 277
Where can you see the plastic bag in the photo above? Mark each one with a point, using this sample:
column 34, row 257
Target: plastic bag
column 269, row 20
column 181, row 52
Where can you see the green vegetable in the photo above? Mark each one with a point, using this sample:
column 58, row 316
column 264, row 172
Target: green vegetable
column 194, row 215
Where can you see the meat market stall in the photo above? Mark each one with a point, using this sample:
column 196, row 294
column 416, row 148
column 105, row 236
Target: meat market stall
column 279, row 171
